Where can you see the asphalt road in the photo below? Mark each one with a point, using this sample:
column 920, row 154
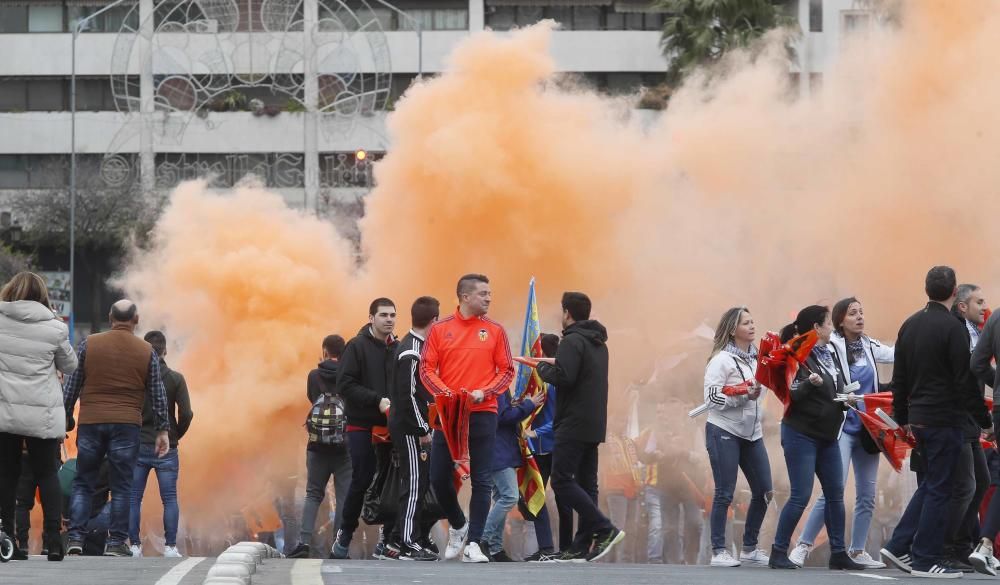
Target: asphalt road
column 160, row 571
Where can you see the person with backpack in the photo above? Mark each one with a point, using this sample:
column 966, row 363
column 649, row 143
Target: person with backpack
column 326, row 452
column 411, row 432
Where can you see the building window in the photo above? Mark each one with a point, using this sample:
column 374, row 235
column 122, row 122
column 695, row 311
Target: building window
column 856, row 21
column 122, row 17
column 13, row 95
column 47, row 95
column 45, row 18
column 13, row 19
column 815, row 15
column 13, row 171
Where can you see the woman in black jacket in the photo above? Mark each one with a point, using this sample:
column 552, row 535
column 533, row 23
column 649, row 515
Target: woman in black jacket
column 809, row 435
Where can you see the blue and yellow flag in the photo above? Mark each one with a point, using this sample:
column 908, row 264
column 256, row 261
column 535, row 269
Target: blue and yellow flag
column 530, row 385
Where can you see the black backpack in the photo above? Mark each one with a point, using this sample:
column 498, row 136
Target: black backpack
column 327, row 422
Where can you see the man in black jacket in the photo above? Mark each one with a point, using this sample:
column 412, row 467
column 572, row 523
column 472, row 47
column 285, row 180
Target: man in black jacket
column 363, row 382
column 411, row 431
column 933, row 392
column 580, row 372
column 167, row 467
column 323, row 461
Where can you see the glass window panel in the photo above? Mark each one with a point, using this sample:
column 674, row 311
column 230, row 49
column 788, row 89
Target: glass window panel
column 13, row 171
column 815, row 15
column 13, row 19
column 46, row 95
column 45, row 19
column 654, row 21
column 13, row 95
column 615, row 21
column 528, row 15
column 587, row 18
column 501, row 17
column 563, row 15
column 451, row 19
column 48, row 171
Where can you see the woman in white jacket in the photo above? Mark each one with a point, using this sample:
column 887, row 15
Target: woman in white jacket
column 734, row 437
column 858, row 355
column 34, row 344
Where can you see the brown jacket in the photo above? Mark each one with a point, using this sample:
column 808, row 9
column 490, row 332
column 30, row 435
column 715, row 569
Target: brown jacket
column 115, row 371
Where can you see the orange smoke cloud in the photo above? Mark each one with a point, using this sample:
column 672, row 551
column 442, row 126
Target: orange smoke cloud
column 736, row 195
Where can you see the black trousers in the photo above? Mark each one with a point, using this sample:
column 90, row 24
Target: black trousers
column 364, row 462
column 564, row 511
column 574, row 481
column 414, row 481
column 43, row 459
column 972, row 479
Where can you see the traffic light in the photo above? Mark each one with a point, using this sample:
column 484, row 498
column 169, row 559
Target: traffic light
column 360, row 155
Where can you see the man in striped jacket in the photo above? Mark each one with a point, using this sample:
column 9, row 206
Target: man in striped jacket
column 411, row 433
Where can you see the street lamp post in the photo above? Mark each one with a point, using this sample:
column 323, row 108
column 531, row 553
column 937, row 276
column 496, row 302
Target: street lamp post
column 77, row 27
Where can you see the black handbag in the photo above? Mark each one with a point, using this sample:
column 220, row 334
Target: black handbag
column 381, row 502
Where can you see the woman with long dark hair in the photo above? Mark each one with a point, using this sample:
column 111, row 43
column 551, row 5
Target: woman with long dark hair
column 734, row 436
column 858, row 356
column 809, row 438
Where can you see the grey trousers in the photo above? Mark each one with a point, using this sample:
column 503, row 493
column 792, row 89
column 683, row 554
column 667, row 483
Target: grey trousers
column 320, row 465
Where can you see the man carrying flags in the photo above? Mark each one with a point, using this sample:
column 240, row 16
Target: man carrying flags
column 467, row 353
column 580, row 371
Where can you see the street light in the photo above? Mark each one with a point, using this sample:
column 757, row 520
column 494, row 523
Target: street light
column 77, row 27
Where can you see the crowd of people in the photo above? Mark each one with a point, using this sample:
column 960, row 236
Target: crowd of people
column 400, row 424
column 133, row 410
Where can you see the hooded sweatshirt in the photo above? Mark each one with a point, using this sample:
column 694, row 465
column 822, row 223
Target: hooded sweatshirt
column 363, row 377
column 581, row 374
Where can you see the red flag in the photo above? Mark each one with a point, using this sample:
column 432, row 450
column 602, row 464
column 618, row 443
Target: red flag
column 893, row 443
column 777, row 363
column 453, row 414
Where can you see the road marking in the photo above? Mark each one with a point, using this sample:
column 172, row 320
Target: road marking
column 871, row 576
column 175, row 574
column 307, row 572
column 332, row 569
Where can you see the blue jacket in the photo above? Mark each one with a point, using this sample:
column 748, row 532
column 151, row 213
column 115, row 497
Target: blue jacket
column 506, row 452
column 542, row 425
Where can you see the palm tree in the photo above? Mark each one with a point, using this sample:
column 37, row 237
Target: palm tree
column 700, row 32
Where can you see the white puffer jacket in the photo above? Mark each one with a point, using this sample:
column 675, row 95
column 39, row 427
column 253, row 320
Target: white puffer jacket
column 33, row 343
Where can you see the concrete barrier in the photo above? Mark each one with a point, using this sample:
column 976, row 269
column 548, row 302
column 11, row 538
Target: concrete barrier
column 237, row 570
column 239, row 557
column 224, row 581
column 256, row 553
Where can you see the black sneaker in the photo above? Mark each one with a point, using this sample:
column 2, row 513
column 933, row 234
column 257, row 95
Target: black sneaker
column 386, row 552
column 117, row 550
column 937, row 572
column 407, row 553
column 958, row 565
column 546, row 555
column 428, row 544
column 501, row 557
column 19, row 554
column 572, row 556
column 74, row 547
column 301, row 551
column 605, row 541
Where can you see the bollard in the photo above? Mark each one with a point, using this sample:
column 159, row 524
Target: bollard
column 224, row 581
column 237, row 570
column 258, row 556
column 239, row 557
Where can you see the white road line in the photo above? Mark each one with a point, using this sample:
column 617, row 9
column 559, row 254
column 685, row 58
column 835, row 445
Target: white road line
column 873, row 576
column 331, row 569
column 307, row 572
column 178, row 571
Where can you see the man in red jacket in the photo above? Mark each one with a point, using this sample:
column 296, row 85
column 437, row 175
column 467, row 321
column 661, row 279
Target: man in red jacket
column 467, row 352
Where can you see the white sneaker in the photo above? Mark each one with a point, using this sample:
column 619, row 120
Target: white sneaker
column 865, row 559
column 472, row 554
column 724, row 559
column 456, row 540
column 171, row 552
column 799, row 554
column 136, row 551
column 755, row 557
column 983, row 560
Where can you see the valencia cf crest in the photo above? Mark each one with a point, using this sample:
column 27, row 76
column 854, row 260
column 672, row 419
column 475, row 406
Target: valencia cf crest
column 423, row 455
column 483, row 335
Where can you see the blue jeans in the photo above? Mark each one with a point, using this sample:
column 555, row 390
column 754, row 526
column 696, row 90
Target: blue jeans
column 921, row 528
column 865, row 474
column 120, row 444
column 505, row 495
column 727, row 453
column 167, row 469
column 482, row 437
column 807, row 458
column 97, row 532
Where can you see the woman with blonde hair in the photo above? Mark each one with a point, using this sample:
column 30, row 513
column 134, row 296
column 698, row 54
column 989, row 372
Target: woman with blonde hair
column 34, row 347
column 734, row 436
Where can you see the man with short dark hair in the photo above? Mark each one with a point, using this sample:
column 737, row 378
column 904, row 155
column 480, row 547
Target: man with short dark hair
column 167, row 467
column 467, row 353
column 118, row 372
column 363, row 383
column 932, row 393
column 411, row 433
column 580, row 372
column 323, row 460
